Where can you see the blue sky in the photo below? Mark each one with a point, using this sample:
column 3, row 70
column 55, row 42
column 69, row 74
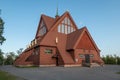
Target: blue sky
column 102, row 18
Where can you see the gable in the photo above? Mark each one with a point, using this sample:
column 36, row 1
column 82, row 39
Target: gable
column 41, row 29
column 72, row 38
column 85, row 42
column 45, row 24
column 81, row 39
column 64, row 24
column 48, row 21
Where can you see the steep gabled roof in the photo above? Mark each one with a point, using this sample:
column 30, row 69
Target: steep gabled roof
column 48, row 22
column 73, row 37
column 54, row 24
column 51, row 23
column 76, row 36
column 61, row 18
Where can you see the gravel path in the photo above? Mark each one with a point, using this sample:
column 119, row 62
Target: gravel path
column 108, row 72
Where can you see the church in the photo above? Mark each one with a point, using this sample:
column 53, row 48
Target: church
column 59, row 42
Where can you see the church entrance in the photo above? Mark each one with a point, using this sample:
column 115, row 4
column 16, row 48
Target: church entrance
column 87, row 58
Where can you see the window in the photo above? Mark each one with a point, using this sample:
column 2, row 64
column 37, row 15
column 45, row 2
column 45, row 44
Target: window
column 66, row 26
column 91, row 55
column 48, row 51
column 68, row 29
column 81, row 55
column 66, row 20
column 71, row 29
column 42, row 29
column 59, row 28
column 65, row 29
column 41, row 24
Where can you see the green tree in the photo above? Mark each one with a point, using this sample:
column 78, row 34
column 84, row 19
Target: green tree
column 1, row 57
column 111, row 59
column 2, row 39
column 10, row 57
column 19, row 51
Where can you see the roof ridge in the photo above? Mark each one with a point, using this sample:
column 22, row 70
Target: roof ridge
column 47, row 16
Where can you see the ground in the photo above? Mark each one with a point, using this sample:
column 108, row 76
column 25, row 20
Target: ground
column 108, row 72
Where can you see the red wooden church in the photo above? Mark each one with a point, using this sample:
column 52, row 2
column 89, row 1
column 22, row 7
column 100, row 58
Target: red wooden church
column 59, row 42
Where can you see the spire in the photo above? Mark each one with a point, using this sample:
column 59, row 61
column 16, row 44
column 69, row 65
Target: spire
column 57, row 12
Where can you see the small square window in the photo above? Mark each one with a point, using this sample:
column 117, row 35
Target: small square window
column 48, row 51
column 81, row 55
column 91, row 55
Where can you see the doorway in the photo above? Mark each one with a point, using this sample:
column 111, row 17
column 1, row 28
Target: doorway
column 87, row 58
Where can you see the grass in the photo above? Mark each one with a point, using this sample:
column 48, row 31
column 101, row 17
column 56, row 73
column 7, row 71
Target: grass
column 7, row 76
column 118, row 72
column 27, row 66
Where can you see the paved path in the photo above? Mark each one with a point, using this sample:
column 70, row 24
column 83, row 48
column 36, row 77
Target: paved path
column 107, row 72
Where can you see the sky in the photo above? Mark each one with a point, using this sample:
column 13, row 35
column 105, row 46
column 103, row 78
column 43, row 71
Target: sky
column 101, row 17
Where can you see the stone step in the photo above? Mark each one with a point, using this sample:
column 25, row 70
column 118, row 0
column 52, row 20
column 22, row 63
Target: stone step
column 94, row 65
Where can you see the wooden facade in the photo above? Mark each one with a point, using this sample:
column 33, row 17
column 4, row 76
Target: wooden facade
column 59, row 42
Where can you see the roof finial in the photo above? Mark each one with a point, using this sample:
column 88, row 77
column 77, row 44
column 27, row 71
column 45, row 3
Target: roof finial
column 57, row 11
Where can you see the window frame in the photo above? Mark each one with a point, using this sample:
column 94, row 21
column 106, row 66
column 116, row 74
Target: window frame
column 48, row 51
column 81, row 56
column 91, row 55
column 66, row 26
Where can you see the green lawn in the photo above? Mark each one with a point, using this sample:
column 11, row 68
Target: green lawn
column 118, row 72
column 27, row 66
column 7, row 76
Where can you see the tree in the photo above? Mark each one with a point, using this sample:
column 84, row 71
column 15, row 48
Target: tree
column 10, row 58
column 2, row 39
column 1, row 57
column 19, row 51
column 111, row 59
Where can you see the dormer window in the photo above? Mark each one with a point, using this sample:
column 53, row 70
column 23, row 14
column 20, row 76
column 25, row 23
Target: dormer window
column 66, row 26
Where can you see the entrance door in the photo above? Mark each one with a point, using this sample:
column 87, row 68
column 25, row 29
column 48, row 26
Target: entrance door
column 87, row 58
